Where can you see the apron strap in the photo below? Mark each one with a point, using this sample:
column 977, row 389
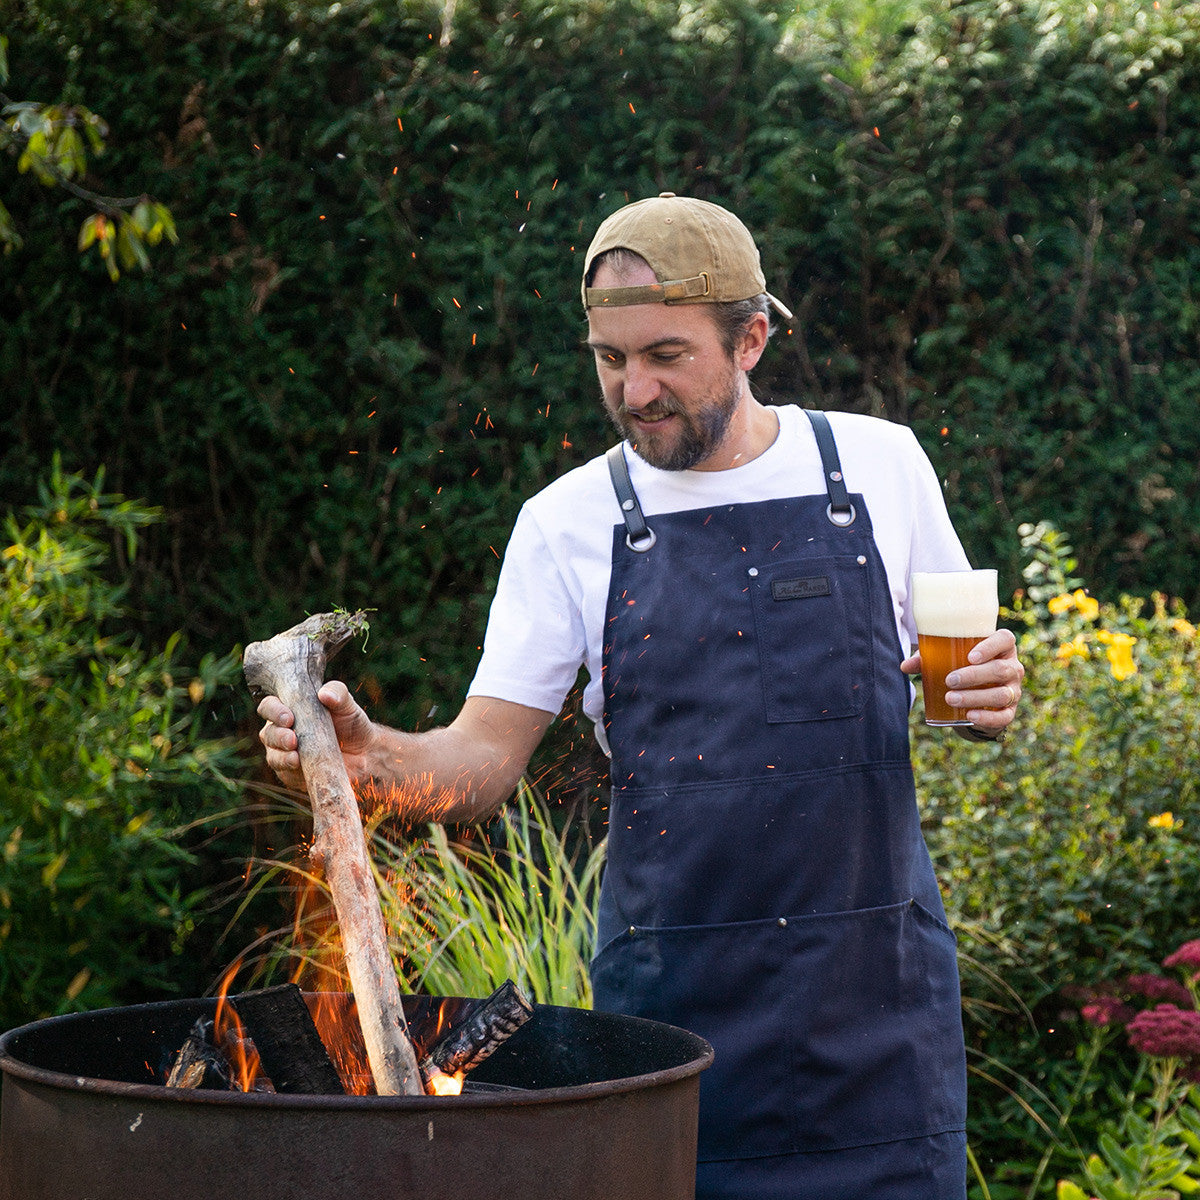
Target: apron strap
column 638, row 535
column 840, row 510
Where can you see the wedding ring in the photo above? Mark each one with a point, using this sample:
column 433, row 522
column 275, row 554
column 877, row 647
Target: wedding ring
column 1012, row 695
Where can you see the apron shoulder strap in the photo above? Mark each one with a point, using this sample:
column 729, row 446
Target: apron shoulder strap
column 638, row 535
column 840, row 510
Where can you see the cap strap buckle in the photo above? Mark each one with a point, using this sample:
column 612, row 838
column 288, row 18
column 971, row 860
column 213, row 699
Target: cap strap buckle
column 652, row 293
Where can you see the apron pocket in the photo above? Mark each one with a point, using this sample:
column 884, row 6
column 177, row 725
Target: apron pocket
column 725, row 983
column 812, row 618
column 830, row 1031
column 877, row 1027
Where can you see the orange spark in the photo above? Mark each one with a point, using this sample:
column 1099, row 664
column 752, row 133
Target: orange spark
column 400, row 123
column 632, row 109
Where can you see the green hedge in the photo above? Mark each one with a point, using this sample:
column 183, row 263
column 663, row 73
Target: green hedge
column 365, row 351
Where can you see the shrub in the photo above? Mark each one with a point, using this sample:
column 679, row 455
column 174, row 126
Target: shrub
column 103, row 764
column 364, row 351
column 1073, row 851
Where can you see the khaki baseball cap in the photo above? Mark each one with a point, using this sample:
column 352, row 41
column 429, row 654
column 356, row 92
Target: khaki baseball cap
column 700, row 253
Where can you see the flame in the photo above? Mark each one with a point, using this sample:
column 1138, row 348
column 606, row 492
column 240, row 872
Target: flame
column 442, row 1084
column 241, row 1055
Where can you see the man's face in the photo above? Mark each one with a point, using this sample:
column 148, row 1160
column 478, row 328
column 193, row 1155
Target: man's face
column 668, row 384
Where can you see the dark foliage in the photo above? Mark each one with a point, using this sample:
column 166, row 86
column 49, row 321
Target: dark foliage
column 364, row 352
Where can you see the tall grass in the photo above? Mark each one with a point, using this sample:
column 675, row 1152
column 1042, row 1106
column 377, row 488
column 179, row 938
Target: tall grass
column 515, row 901
column 464, row 916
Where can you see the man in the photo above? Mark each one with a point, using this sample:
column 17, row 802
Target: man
column 736, row 578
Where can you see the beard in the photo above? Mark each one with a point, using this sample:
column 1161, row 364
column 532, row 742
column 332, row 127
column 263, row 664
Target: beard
column 698, row 433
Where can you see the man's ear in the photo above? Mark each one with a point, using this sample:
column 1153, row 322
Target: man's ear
column 753, row 342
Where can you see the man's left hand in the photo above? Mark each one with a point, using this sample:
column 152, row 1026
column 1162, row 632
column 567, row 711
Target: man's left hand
column 990, row 688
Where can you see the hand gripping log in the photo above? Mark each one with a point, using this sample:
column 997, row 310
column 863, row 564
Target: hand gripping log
column 291, row 665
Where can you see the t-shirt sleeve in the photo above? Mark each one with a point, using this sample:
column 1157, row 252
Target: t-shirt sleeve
column 535, row 643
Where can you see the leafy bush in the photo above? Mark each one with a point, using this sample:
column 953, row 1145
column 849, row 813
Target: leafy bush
column 364, row 351
column 1073, row 851
column 103, row 763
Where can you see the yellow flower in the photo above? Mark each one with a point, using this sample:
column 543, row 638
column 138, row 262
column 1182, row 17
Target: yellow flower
column 1089, row 609
column 1060, row 604
column 1184, row 628
column 1165, row 820
column 1077, row 647
column 1119, row 648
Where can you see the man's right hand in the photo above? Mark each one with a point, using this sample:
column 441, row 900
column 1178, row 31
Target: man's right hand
column 355, row 734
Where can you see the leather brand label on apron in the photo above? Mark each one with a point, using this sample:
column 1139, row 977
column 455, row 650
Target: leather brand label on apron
column 800, row 589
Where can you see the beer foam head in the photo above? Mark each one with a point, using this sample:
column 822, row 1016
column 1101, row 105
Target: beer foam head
column 955, row 603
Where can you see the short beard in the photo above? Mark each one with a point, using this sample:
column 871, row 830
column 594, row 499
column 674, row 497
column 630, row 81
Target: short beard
column 700, row 435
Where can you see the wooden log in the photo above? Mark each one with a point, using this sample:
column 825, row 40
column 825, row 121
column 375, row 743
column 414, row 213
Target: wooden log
column 288, row 1044
column 486, row 1026
column 291, row 665
column 199, row 1064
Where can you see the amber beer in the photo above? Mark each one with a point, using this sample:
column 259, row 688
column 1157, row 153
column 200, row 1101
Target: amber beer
column 954, row 611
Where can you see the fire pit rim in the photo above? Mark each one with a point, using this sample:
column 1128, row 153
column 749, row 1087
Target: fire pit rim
column 10, row 1064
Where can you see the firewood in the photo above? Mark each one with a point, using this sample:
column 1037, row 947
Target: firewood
column 486, row 1026
column 291, row 665
column 199, row 1064
column 288, row 1044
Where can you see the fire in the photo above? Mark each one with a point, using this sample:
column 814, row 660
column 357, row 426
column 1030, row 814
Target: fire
column 246, row 1072
column 441, row 1084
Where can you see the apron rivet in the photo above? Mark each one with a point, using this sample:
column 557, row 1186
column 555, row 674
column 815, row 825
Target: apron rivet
column 862, row 560
column 836, row 476
column 753, row 572
column 782, row 922
column 628, row 506
column 632, row 930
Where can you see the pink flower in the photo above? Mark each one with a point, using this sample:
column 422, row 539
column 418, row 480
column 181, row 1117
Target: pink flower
column 1106, row 1010
column 1188, row 955
column 1159, row 987
column 1166, row 1031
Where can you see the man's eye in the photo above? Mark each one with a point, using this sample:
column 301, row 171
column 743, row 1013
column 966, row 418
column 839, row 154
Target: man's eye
column 665, row 357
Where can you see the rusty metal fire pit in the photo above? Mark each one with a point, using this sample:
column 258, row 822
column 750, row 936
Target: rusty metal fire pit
column 581, row 1105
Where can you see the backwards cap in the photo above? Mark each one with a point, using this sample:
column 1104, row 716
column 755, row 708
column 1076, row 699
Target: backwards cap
column 699, row 252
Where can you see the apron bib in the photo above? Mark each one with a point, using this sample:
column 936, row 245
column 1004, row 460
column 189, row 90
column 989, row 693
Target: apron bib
column 767, row 883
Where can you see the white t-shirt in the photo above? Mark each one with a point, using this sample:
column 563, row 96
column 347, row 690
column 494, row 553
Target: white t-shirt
column 547, row 617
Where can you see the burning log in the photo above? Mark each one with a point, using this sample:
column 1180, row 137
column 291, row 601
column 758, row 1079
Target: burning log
column 288, row 1044
column 291, row 665
column 487, row 1026
column 199, row 1064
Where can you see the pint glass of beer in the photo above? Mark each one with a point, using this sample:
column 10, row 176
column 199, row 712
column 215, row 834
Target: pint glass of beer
column 954, row 611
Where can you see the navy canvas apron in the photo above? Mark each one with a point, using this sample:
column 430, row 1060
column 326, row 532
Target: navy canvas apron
column 767, row 884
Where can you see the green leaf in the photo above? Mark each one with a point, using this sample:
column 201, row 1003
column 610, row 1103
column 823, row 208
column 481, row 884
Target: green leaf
column 1070, row 1191
column 93, row 227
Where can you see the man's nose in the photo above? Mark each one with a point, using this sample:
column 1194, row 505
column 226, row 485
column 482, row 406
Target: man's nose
column 641, row 386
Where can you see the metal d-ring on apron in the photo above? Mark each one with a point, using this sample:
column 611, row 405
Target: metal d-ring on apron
column 639, row 535
column 767, row 885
